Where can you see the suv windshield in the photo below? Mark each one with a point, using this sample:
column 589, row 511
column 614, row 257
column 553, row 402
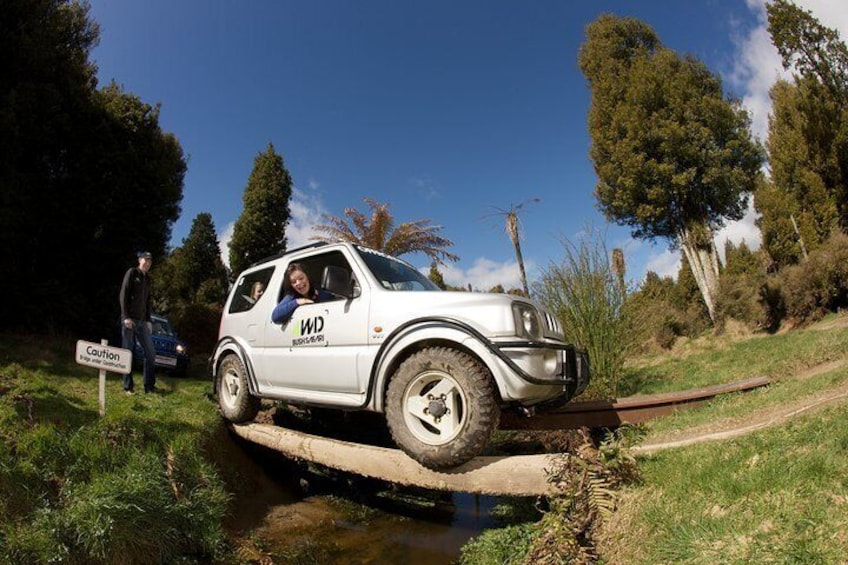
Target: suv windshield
column 394, row 274
column 162, row 327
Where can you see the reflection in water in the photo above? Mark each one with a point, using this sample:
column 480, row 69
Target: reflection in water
column 426, row 537
column 303, row 516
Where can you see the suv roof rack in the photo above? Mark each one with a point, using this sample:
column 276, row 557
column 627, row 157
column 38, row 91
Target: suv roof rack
column 289, row 252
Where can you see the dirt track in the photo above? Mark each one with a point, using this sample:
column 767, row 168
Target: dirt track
column 754, row 421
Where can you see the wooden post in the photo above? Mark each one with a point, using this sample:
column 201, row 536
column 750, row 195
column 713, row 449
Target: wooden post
column 102, row 389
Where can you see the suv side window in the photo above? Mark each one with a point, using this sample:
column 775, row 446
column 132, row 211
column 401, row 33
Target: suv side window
column 314, row 267
column 251, row 288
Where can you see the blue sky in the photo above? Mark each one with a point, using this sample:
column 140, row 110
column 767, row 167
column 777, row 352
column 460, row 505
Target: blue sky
column 448, row 110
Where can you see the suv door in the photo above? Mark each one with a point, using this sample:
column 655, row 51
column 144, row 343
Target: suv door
column 319, row 348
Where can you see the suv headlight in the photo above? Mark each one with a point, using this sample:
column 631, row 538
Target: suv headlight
column 181, row 348
column 528, row 323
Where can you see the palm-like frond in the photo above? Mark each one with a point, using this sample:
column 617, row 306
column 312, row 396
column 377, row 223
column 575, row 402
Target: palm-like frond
column 379, row 232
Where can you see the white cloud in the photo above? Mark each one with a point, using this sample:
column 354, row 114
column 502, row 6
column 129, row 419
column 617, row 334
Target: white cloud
column 484, row 274
column 306, row 209
column 743, row 230
column 665, row 264
column 224, row 243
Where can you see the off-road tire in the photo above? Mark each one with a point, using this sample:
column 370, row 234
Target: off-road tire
column 473, row 412
column 234, row 399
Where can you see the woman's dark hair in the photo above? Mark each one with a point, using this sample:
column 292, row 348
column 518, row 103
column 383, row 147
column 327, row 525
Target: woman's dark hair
column 287, row 287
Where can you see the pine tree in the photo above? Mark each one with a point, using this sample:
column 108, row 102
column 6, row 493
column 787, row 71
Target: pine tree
column 260, row 230
column 807, row 197
column 202, row 274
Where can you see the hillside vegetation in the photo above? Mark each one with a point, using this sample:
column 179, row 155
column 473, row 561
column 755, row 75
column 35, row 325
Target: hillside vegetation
column 146, row 483
column 774, row 495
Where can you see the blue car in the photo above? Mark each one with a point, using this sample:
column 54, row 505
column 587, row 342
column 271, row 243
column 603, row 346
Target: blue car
column 171, row 353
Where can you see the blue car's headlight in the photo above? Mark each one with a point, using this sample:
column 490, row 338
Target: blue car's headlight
column 528, row 323
column 181, row 348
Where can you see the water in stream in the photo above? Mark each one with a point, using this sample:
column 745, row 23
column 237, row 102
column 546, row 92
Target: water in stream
column 293, row 514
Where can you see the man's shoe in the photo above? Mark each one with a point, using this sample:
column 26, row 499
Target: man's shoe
column 154, row 390
column 129, row 392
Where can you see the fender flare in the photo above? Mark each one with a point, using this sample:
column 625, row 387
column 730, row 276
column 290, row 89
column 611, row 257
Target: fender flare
column 413, row 333
column 230, row 345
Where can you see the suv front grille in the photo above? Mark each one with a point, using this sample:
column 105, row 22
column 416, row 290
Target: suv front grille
column 552, row 326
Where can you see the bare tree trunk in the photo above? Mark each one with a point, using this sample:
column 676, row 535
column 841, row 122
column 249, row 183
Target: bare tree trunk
column 800, row 237
column 512, row 230
column 703, row 260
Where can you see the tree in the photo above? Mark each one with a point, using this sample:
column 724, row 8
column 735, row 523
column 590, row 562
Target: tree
column 511, row 225
column 674, row 159
column 813, row 49
column 87, row 177
column 200, row 275
column 807, row 196
column 260, row 230
column 379, row 232
column 436, row 276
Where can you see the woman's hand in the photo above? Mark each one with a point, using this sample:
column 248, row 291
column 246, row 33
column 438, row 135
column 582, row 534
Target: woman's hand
column 302, row 301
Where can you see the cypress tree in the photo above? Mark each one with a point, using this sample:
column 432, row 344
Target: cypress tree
column 260, row 230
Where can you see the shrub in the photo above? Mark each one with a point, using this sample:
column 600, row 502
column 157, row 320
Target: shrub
column 197, row 325
column 820, row 284
column 662, row 310
column 755, row 301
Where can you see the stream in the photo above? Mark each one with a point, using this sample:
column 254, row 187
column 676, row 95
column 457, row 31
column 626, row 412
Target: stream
column 293, row 512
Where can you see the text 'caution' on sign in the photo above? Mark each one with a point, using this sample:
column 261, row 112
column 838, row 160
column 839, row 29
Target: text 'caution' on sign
column 114, row 359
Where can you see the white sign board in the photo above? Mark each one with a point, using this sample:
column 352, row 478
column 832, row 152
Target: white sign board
column 114, row 359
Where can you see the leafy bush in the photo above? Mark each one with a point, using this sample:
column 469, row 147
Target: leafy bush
column 588, row 479
column 820, row 284
column 197, row 325
column 663, row 310
column 754, row 300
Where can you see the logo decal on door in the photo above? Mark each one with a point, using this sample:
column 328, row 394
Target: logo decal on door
column 308, row 331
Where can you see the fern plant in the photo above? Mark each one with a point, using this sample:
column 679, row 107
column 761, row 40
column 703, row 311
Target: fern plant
column 586, row 481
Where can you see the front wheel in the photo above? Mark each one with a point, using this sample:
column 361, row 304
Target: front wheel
column 441, row 407
column 234, row 398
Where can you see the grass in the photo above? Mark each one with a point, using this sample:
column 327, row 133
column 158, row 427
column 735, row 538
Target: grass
column 78, row 488
column 135, row 486
column 774, row 496
column 779, row 495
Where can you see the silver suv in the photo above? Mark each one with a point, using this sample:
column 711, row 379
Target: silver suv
column 440, row 365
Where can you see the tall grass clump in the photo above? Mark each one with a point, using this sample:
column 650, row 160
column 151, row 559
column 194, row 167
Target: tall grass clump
column 589, row 298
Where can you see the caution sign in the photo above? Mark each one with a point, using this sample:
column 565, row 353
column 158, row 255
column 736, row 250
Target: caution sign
column 113, row 359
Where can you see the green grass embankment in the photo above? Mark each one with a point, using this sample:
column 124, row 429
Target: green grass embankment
column 776, row 495
column 134, row 486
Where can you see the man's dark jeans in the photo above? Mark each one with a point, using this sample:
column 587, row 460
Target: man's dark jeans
column 142, row 332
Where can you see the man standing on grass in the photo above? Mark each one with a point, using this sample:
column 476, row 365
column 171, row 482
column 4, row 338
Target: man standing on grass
column 136, row 308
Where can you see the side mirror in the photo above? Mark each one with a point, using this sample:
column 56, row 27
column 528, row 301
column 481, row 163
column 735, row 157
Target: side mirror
column 337, row 280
